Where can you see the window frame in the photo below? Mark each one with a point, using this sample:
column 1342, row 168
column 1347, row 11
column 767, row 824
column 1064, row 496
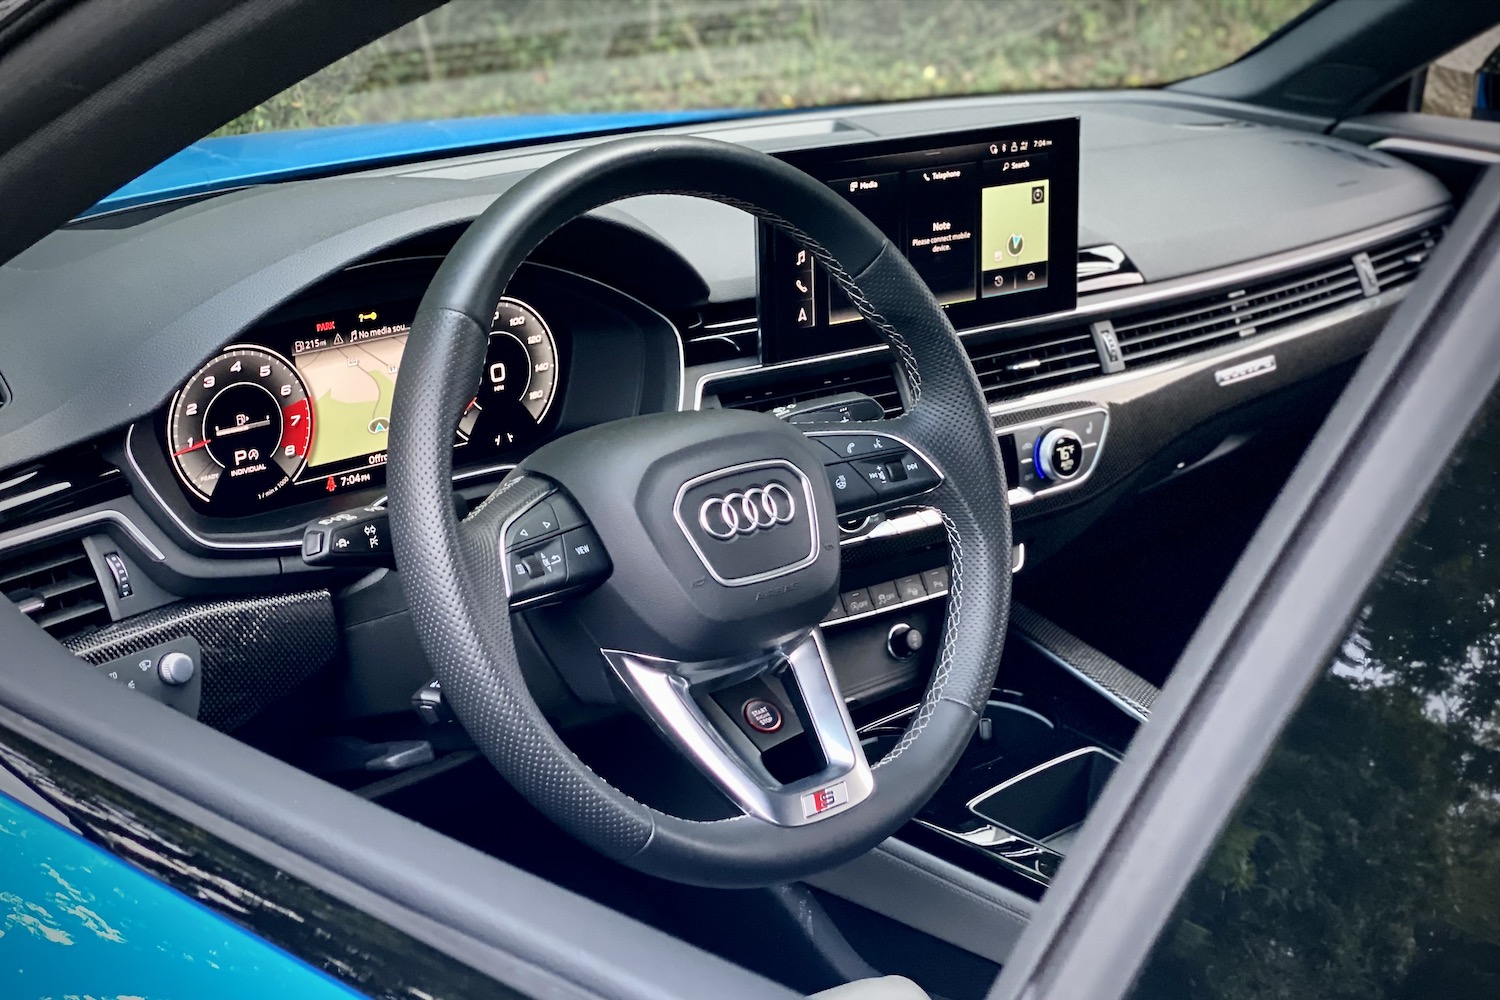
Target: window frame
column 1268, row 635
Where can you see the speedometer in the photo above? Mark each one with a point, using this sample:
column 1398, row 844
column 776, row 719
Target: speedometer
column 519, row 380
column 239, row 430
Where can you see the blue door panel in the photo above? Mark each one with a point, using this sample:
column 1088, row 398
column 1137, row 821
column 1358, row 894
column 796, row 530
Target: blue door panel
column 77, row 921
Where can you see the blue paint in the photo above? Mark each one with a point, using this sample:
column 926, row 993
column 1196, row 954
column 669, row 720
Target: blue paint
column 223, row 162
column 75, row 921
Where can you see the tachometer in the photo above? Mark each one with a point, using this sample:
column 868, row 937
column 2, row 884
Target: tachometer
column 519, row 381
column 239, row 429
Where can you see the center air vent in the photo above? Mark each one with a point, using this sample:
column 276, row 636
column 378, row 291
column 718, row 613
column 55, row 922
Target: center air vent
column 1189, row 327
column 56, row 588
column 1198, row 324
column 877, row 380
column 1013, row 367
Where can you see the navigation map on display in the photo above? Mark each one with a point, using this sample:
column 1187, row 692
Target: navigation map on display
column 351, row 379
column 1013, row 237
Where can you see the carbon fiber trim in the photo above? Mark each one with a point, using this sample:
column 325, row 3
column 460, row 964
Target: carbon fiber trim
column 1122, row 685
column 255, row 649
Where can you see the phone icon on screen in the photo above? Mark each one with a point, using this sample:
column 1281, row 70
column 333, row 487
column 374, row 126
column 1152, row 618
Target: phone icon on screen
column 801, row 287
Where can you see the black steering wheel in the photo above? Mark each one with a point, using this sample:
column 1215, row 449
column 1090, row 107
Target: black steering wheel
column 694, row 554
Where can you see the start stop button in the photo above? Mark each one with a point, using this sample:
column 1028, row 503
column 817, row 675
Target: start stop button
column 762, row 716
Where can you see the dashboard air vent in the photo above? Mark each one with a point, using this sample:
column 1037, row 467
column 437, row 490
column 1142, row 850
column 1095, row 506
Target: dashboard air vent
column 1013, row 367
column 726, row 339
column 877, row 380
column 55, row 587
column 1399, row 261
column 1188, row 327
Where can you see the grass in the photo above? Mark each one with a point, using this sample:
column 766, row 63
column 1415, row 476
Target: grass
column 511, row 57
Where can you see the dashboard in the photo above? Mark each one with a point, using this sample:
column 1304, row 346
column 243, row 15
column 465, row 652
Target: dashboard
column 191, row 385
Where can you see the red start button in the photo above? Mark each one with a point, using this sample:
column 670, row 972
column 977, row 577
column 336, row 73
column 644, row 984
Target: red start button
column 762, row 715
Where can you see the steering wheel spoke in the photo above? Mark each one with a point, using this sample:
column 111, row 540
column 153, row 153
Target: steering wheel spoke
column 743, row 723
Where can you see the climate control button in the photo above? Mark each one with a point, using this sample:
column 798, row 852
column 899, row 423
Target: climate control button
column 1059, row 454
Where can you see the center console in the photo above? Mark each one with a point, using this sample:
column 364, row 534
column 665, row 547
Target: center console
column 970, row 867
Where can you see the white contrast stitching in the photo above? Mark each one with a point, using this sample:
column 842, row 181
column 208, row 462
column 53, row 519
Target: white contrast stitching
column 846, row 281
column 944, row 667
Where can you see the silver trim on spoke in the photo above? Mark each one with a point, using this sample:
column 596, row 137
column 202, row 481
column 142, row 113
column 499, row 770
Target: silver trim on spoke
column 669, row 690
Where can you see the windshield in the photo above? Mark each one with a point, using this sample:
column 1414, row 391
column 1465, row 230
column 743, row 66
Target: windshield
column 549, row 57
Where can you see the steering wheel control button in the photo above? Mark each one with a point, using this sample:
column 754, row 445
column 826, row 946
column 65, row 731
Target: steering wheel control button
column 538, row 522
column 857, row 602
column 540, row 569
column 850, row 492
column 1059, row 454
column 587, row 562
column 884, row 595
column 847, row 446
column 762, row 716
column 176, row 668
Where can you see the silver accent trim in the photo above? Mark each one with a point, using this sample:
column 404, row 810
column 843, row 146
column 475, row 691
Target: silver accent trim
column 1105, row 303
column 1428, row 147
column 1088, row 751
column 1246, row 370
column 25, row 536
column 756, row 504
column 666, row 689
column 745, row 581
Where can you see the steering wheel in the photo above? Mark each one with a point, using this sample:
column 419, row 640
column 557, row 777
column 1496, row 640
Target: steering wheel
column 694, row 554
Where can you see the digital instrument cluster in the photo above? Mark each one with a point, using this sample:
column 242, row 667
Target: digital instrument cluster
column 305, row 410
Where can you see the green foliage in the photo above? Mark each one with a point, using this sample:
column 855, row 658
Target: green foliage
column 506, row 57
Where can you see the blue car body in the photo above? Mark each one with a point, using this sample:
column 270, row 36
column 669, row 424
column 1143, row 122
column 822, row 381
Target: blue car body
column 223, row 162
column 75, row 921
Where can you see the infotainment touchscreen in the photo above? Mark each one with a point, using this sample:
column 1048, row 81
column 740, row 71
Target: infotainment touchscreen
column 988, row 218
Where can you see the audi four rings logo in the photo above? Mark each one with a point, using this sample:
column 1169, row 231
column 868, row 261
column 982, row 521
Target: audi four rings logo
column 746, row 512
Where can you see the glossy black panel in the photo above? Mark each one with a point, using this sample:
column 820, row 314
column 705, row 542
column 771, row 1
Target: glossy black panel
column 1365, row 861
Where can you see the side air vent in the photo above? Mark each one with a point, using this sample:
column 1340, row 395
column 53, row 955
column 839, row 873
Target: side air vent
column 55, row 587
column 1012, row 367
column 1203, row 323
column 710, row 340
column 877, row 380
column 1400, row 261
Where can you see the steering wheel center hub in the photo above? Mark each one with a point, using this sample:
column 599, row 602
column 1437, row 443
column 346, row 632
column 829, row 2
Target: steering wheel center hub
column 721, row 527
